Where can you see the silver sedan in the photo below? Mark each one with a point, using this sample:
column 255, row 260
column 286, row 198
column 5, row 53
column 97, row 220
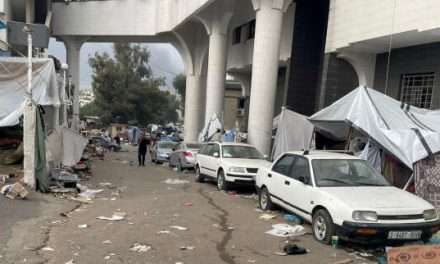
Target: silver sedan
column 183, row 157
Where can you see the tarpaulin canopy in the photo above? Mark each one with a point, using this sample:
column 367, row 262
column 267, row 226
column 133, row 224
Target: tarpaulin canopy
column 294, row 132
column 408, row 133
column 214, row 124
column 66, row 146
column 13, row 84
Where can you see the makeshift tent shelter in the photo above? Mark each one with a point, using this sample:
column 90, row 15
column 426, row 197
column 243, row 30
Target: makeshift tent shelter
column 65, row 146
column 13, row 82
column 408, row 133
column 214, row 124
column 294, row 132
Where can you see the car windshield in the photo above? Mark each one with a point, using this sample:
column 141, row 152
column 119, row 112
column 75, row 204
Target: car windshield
column 167, row 145
column 241, row 152
column 193, row 146
column 339, row 172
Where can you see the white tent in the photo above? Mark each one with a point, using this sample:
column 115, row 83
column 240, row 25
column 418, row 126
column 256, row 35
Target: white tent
column 214, row 124
column 66, row 146
column 294, row 132
column 408, row 133
column 13, row 83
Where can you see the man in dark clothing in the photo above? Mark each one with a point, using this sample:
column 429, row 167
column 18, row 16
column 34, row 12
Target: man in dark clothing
column 142, row 150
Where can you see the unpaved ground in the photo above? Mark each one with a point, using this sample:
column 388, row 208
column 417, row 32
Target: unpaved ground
column 222, row 228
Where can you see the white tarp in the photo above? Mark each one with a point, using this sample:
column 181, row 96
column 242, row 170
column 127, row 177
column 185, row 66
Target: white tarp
column 211, row 128
column 385, row 120
column 294, row 132
column 66, row 146
column 13, row 84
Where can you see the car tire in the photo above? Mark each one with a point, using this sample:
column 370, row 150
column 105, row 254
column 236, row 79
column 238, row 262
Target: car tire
column 264, row 200
column 199, row 176
column 323, row 227
column 222, row 184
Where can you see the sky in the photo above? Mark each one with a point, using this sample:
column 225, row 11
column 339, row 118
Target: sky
column 165, row 60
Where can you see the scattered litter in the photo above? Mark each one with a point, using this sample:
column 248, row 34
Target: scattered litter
column 175, row 181
column 81, row 200
column 106, row 242
column 117, row 216
column 140, row 248
column 280, row 253
column 47, row 249
column 293, row 218
column 187, row 248
column 83, row 226
column 13, row 191
column 345, row 261
column 251, row 261
column 181, row 228
column 294, row 249
column 106, row 184
column 163, row 232
column 285, row 230
column 55, row 189
column 430, row 254
column 179, row 262
column 70, row 262
column 267, row 217
column 88, row 194
column 188, row 204
column 109, row 256
column 130, row 223
column 3, row 178
column 113, row 199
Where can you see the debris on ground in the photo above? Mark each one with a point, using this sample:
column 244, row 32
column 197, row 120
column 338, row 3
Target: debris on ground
column 83, row 226
column 294, row 249
column 140, row 248
column 251, row 261
column 293, row 218
column 70, row 262
column 163, row 232
column 3, row 178
column 47, row 249
column 187, row 248
column 88, row 194
column 109, row 256
column 181, row 228
column 344, row 261
column 106, row 242
column 280, row 253
column 175, row 181
column 267, row 217
column 188, row 204
column 14, row 191
column 285, row 230
column 117, row 216
column 425, row 254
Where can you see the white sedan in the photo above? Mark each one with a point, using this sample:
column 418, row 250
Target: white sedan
column 229, row 163
column 343, row 195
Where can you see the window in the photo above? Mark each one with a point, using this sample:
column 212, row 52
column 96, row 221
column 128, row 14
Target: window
column 204, row 150
column 236, row 35
column 213, row 149
column 251, row 29
column 300, row 169
column 241, row 152
column 283, row 165
column 416, row 89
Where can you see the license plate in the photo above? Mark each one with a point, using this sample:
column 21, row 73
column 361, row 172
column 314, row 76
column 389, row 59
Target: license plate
column 404, row 235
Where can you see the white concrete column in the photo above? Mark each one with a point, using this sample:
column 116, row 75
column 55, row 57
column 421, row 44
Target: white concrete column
column 29, row 130
column 268, row 31
column 73, row 47
column 194, row 106
column 217, row 58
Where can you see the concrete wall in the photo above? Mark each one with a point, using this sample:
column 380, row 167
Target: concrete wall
column 417, row 59
column 240, row 55
column 231, row 108
column 357, row 20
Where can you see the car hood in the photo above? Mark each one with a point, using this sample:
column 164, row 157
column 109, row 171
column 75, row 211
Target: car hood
column 248, row 163
column 360, row 198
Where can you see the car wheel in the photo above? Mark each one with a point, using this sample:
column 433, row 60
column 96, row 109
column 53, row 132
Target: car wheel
column 222, row 184
column 323, row 227
column 264, row 200
column 199, row 175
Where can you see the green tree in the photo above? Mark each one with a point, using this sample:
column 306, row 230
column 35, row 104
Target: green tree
column 179, row 83
column 126, row 90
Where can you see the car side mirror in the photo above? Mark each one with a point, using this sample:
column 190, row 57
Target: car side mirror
column 216, row 155
column 303, row 179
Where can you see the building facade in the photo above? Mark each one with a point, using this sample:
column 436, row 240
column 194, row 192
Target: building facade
column 300, row 54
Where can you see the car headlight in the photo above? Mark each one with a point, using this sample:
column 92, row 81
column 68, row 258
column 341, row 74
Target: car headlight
column 237, row 169
column 430, row 214
column 368, row 216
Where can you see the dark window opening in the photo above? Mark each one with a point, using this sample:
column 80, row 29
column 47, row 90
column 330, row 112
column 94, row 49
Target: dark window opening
column 236, row 38
column 417, row 89
column 251, row 29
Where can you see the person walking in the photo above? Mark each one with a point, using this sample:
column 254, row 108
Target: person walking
column 142, row 150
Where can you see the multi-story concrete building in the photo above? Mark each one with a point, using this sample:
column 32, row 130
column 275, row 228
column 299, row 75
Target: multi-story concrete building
column 302, row 54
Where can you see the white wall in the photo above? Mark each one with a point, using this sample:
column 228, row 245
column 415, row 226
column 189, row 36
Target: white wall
column 357, row 20
column 240, row 55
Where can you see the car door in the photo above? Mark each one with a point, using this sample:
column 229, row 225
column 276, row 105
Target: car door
column 297, row 188
column 213, row 159
column 277, row 177
column 202, row 158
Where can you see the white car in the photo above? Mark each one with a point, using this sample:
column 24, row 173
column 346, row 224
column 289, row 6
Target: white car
column 229, row 163
column 183, row 156
column 343, row 195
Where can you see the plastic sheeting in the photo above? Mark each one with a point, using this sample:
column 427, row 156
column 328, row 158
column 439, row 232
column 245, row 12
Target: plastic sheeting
column 386, row 121
column 294, row 132
column 66, row 146
column 211, row 129
column 13, row 84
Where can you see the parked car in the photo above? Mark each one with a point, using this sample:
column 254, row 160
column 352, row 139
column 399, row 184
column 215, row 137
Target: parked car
column 229, row 163
column 343, row 195
column 183, row 157
column 102, row 142
column 161, row 151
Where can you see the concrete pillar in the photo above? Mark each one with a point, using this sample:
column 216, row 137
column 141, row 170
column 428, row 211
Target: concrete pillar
column 268, row 31
column 29, row 131
column 73, row 47
column 194, row 106
column 217, row 58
